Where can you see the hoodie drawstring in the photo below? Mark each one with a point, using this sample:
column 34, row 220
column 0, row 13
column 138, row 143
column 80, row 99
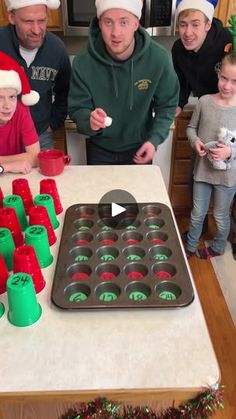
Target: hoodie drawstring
column 131, row 92
column 114, row 80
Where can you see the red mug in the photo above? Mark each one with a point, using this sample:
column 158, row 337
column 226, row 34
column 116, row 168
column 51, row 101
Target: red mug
column 53, row 161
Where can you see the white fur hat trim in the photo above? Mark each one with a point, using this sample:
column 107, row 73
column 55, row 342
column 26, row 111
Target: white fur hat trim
column 18, row 4
column 203, row 5
column 31, row 98
column 10, row 80
column 132, row 6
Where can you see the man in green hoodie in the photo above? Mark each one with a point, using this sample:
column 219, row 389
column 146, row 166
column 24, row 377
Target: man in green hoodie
column 124, row 90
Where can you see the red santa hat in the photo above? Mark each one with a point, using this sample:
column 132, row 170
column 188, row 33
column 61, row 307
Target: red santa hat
column 12, row 76
column 18, row 4
column 132, row 6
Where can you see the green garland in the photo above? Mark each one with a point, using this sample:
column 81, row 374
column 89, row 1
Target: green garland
column 201, row 407
column 232, row 22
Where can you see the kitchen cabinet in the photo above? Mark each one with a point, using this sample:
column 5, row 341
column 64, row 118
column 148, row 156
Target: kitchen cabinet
column 225, row 9
column 181, row 167
column 54, row 18
column 3, row 14
column 181, row 170
column 60, row 139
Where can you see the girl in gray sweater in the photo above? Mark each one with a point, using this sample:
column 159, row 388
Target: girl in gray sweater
column 212, row 113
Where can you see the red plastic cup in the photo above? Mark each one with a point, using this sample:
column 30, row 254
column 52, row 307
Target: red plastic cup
column 21, row 187
column 9, row 219
column 1, row 197
column 49, row 186
column 52, row 162
column 38, row 215
column 4, row 274
column 25, row 260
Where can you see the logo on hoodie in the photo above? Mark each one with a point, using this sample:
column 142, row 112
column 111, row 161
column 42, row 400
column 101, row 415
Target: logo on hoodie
column 143, row 84
column 43, row 73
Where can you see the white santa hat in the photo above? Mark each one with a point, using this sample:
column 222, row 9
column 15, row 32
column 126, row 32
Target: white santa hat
column 132, row 6
column 205, row 6
column 18, row 4
column 12, row 76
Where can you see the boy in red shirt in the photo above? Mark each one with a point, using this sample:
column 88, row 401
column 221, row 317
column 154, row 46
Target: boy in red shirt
column 19, row 143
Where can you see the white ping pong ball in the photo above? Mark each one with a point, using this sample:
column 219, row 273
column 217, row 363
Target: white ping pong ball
column 108, row 121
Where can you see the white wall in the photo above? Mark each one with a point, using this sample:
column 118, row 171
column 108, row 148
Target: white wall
column 162, row 158
column 76, row 147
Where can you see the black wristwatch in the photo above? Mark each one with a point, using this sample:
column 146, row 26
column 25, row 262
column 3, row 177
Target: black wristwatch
column 1, row 169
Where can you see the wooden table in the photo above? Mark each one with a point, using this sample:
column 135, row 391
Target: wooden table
column 142, row 356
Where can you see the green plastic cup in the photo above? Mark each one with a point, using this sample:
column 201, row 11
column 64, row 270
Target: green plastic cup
column 2, row 310
column 4, row 274
column 37, row 237
column 7, row 247
column 15, row 201
column 46, row 200
column 24, row 308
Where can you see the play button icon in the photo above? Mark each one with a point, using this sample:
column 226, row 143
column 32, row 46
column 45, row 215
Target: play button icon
column 117, row 209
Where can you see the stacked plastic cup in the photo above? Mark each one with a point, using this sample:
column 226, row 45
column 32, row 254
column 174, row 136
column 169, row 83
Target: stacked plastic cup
column 2, row 309
column 46, row 201
column 15, row 201
column 7, row 247
column 1, row 197
column 4, row 274
column 9, row 219
column 25, row 260
column 49, row 186
column 36, row 236
column 24, row 309
column 38, row 215
column 21, row 187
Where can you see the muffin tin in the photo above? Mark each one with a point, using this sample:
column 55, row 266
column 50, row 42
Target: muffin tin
column 135, row 262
